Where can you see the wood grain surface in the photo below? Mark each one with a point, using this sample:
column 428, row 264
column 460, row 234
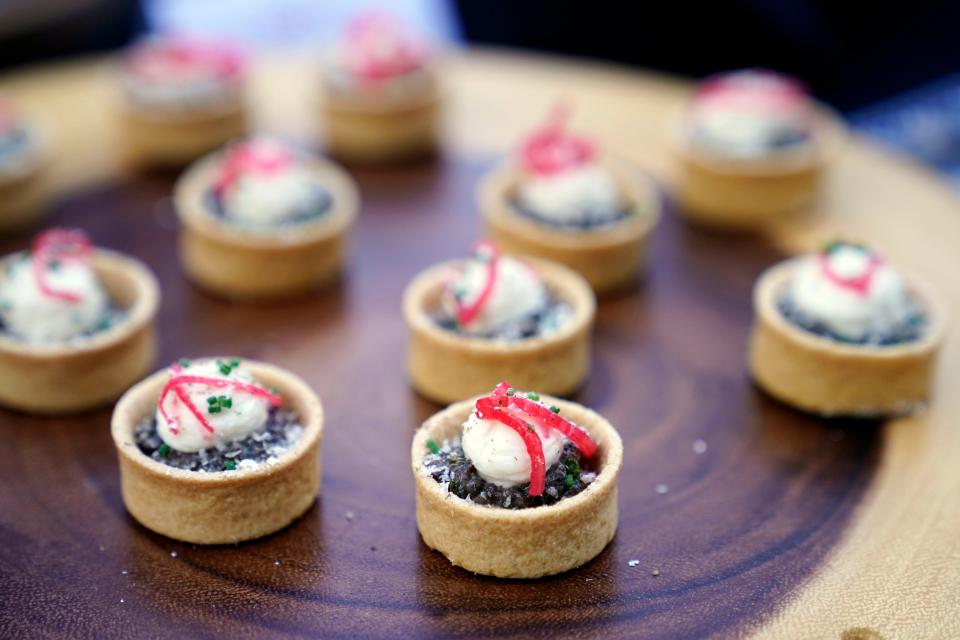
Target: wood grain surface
column 784, row 526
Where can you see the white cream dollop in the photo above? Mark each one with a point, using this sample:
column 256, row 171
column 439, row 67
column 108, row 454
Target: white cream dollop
column 33, row 316
column 579, row 194
column 880, row 308
column 498, row 452
column 518, row 293
column 247, row 413
column 269, row 199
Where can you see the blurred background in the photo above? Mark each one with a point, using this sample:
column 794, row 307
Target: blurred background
column 891, row 68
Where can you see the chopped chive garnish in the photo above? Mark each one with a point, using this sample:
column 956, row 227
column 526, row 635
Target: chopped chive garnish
column 184, row 362
column 554, row 408
column 215, row 404
column 432, row 446
column 164, row 450
column 235, row 363
column 229, row 465
column 533, row 396
column 511, row 391
column 573, row 466
column 568, row 480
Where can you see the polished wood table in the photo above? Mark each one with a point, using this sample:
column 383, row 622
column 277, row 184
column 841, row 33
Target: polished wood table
column 738, row 515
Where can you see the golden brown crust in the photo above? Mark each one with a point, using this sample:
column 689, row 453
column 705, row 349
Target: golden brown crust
column 519, row 543
column 364, row 131
column 446, row 367
column 823, row 376
column 743, row 194
column 165, row 139
column 219, row 507
column 68, row 378
column 240, row 264
column 609, row 259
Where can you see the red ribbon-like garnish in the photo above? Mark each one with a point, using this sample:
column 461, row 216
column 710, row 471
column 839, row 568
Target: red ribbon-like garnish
column 503, row 407
column 57, row 247
column 552, row 149
column 378, row 47
column 159, row 60
column 179, row 382
column 858, row 284
column 256, row 157
column 467, row 313
column 756, row 90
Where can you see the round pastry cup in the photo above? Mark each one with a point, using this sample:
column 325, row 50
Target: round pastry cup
column 221, row 507
column 609, row 259
column 55, row 379
column 172, row 139
column 743, row 194
column 519, row 543
column 23, row 194
column 445, row 366
column 246, row 264
column 826, row 377
column 363, row 130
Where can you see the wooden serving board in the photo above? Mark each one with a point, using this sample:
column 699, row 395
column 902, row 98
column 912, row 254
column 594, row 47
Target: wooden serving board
column 738, row 515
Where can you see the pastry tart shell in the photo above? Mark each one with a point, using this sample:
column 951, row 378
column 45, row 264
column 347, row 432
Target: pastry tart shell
column 820, row 375
column 446, row 367
column 736, row 194
column 227, row 506
column 519, row 543
column 362, row 130
column 237, row 263
column 174, row 139
column 609, row 258
column 24, row 193
column 68, row 378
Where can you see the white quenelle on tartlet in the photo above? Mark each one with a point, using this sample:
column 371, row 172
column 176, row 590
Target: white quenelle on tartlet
column 489, row 292
column 219, row 408
column 264, row 183
column 499, row 454
column 852, row 291
column 53, row 293
column 567, row 197
column 174, row 73
column 750, row 113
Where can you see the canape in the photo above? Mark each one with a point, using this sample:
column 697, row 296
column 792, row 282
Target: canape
column 473, row 322
column 842, row 332
column 261, row 219
column 218, row 450
column 517, row 485
column 76, row 324
column 380, row 93
column 22, row 161
column 752, row 146
column 561, row 201
column 182, row 98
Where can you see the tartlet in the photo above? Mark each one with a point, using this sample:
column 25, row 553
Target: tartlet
column 202, row 495
column 81, row 341
column 380, row 97
column 182, row 98
column 752, row 147
column 595, row 215
column 261, row 219
column 852, row 339
column 539, row 324
column 573, row 520
column 23, row 158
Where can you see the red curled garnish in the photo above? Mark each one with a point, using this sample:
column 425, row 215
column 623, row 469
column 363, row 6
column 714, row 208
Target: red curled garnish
column 757, row 90
column 551, row 149
column 178, row 381
column 858, row 284
column 502, row 406
column 257, row 157
column 55, row 247
column 158, row 60
column 378, row 47
column 487, row 410
column 467, row 313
